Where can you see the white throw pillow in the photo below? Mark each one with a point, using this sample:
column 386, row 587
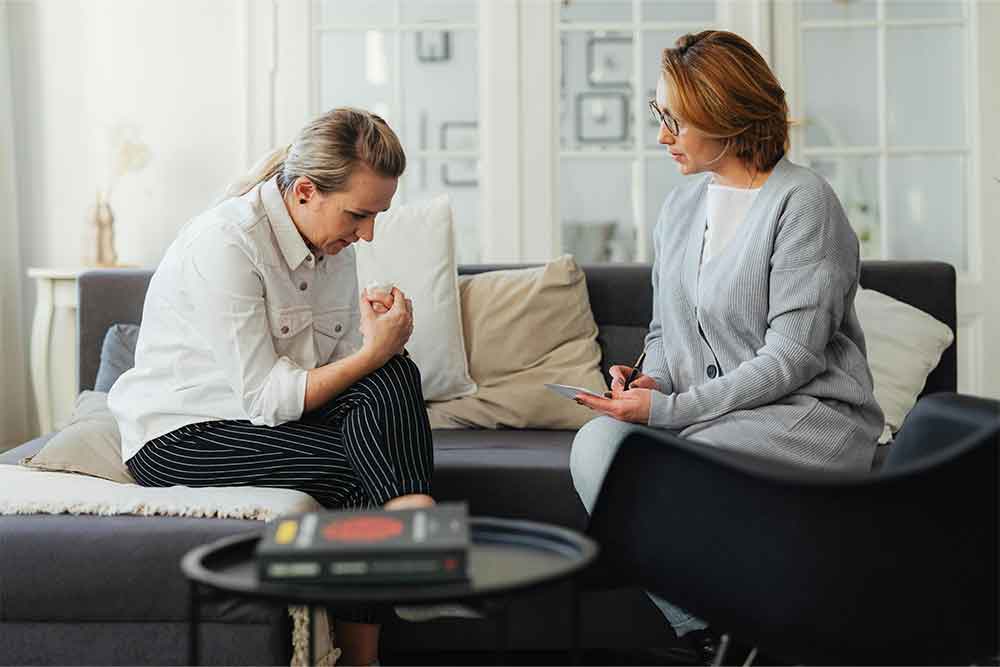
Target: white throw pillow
column 904, row 345
column 414, row 248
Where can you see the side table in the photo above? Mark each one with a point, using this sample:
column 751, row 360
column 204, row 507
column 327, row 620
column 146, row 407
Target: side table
column 505, row 557
column 53, row 344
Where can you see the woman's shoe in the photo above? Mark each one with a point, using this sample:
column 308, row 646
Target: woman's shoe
column 707, row 644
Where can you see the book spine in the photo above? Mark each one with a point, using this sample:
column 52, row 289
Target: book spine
column 365, row 568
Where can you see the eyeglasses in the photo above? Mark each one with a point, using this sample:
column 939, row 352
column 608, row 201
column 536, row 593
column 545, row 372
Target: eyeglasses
column 664, row 117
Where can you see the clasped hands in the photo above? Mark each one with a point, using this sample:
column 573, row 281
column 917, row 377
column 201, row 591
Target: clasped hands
column 386, row 322
column 632, row 405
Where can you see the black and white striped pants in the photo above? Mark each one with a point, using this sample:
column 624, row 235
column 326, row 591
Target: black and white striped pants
column 366, row 446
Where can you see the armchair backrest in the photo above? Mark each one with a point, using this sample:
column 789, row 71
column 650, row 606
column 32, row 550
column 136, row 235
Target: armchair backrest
column 813, row 567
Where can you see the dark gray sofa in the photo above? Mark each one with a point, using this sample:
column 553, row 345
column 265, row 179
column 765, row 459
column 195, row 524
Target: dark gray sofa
column 108, row 590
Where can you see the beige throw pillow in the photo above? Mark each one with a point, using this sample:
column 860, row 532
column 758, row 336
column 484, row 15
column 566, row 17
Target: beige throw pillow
column 89, row 444
column 524, row 328
column 904, row 345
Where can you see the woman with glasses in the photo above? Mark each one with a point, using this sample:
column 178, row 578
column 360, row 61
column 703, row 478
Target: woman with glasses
column 754, row 344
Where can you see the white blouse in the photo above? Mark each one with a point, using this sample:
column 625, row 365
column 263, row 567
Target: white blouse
column 727, row 208
column 235, row 315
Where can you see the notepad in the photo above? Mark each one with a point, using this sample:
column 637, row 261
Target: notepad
column 569, row 391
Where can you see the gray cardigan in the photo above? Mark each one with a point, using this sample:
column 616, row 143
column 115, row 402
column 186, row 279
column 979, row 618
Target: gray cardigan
column 761, row 350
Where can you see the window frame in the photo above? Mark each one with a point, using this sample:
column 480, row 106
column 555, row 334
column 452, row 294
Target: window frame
column 789, row 29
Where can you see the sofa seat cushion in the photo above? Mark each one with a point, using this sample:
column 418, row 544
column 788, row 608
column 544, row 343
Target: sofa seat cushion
column 109, row 568
column 516, row 474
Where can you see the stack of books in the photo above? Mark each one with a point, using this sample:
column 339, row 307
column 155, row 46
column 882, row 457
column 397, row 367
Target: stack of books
column 377, row 547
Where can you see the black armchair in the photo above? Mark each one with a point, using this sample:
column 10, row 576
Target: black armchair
column 898, row 566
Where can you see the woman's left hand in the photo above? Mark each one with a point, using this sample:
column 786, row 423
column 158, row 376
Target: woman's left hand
column 627, row 406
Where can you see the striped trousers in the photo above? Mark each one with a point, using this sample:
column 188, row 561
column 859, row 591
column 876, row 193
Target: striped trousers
column 366, row 446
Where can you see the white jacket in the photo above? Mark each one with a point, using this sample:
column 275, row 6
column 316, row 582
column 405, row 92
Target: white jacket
column 236, row 313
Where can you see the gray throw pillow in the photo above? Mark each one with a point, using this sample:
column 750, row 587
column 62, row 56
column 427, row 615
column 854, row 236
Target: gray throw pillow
column 117, row 354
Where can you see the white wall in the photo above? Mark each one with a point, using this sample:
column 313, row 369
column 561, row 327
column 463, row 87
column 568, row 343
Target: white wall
column 174, row 69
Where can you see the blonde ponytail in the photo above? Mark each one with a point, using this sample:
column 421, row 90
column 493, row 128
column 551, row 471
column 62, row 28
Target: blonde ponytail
column 265, row 168
column 327, row 150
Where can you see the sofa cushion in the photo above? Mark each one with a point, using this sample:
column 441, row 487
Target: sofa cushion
column 117, row 354
column 145, row 643
column 430, row 279
column 517, row 474
column 514, row 474
column 90, row 444
column 516, row 345
column 108, row 568
column 904, row 346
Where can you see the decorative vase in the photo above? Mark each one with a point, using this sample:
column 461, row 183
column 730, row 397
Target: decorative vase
column 99, row 235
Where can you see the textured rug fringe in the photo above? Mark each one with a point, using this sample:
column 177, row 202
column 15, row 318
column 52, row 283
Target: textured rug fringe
column 300, row 638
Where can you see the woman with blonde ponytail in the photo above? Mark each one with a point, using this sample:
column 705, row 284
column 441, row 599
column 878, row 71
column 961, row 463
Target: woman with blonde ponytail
column 754, row 345
column 260, row 363
column 265, row 168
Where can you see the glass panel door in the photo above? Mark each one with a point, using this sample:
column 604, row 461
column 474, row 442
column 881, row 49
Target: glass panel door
column 416, row 63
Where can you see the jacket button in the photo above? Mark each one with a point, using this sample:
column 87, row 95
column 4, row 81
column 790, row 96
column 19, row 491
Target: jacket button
column 338, row 328
column 320, row 258
column 712, row 371
column 284, row 330
column 302, row 286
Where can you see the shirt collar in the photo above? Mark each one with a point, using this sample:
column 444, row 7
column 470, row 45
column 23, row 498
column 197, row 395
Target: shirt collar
column 293, row 247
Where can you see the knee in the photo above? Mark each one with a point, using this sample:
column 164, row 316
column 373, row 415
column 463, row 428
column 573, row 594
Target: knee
column 403, row 369
column 594, row 448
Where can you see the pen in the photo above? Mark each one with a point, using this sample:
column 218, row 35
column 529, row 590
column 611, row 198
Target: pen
column 635, row 370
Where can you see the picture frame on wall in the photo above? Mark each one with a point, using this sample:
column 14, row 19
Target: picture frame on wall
column 433, row 46
column 602, row 117
column 460, row 136
column 609, row 62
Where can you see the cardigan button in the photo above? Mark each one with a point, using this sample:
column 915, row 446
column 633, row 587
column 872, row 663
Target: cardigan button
column 284, row 329
column 712, row 371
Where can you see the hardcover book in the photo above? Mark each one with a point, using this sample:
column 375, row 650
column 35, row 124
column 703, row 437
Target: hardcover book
column 378, row 546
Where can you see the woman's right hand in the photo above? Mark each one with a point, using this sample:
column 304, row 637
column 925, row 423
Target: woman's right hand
column 386, row 334
column 620, row 373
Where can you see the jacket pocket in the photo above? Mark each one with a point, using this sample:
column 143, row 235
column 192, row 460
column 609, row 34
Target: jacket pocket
column 292, row 333
column 792, row 410
column 287, row 323
column 331, row 326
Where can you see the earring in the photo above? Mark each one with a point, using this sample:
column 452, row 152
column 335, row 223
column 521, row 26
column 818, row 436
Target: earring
column 302, row 201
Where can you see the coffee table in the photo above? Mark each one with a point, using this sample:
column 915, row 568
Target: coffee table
column 505, row 557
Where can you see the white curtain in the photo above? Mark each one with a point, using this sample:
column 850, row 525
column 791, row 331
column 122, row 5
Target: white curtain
column 14, row 384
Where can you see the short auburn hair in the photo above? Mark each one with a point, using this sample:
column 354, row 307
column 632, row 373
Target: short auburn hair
column 718, row 83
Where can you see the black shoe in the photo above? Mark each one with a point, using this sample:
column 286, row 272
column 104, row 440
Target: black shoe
column 704, row 644
column 707, row 643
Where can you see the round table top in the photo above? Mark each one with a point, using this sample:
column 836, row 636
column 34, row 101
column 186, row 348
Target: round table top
column 504, row 556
